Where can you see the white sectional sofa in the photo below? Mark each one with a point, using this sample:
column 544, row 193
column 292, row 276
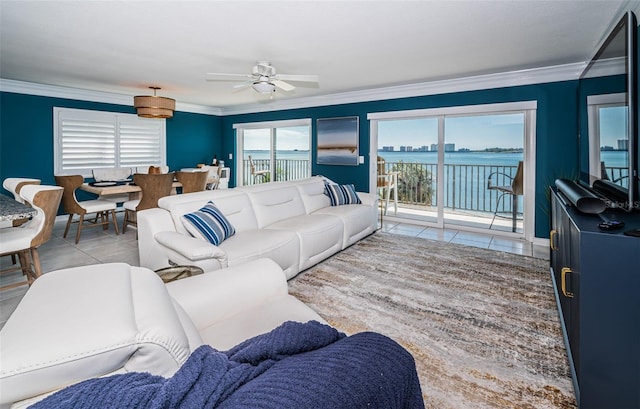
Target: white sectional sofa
column 293, row 223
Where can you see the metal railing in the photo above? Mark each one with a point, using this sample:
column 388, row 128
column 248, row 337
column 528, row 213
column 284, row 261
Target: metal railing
column 286, row 169
column 465, row 186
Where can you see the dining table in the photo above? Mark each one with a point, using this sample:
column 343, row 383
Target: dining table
column 122, row 187
column 12, row 210
column 117, row 188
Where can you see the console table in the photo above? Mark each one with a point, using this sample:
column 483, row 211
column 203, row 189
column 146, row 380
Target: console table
column 596, row 278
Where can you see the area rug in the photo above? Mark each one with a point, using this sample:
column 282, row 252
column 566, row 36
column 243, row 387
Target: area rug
column 482, row 325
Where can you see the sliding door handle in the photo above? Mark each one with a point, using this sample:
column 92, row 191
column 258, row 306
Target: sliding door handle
column 563, row 281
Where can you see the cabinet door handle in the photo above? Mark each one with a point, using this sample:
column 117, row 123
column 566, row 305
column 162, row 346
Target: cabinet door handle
column 552, row 236
column 563, row 281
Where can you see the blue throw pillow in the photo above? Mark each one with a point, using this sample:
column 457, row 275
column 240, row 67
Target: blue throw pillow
column 341, row 194
column 208, row 224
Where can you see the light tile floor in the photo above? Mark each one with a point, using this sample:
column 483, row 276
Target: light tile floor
column 103, row 246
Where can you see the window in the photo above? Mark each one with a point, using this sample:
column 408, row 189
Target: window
column 273, row 151
column 86, row 140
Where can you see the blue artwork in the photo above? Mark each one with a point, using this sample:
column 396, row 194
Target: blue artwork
column 338, row 141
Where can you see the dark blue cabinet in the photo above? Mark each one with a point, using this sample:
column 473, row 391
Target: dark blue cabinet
column 596, row 277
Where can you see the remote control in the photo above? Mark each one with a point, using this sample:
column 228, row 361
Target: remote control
column 610, row 225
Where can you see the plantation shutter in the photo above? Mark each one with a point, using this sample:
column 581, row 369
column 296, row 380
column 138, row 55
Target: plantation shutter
column 86, row 140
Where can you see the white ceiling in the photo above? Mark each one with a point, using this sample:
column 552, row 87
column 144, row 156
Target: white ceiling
column 122, row 47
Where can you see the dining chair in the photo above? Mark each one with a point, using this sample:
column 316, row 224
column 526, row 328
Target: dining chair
column 387, row 181
column 71, row 205
column 14, row 185
column 193, row 181
column 112, row 175
column 24, row 240
column 145, row 169
column 514, row 189
column 214, row 177
column 153, row 186
column 263, row 174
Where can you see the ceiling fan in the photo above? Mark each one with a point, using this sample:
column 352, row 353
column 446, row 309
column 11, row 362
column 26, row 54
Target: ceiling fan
column 263, row 78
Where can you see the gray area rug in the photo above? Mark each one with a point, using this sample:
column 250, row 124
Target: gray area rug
column 482, row 325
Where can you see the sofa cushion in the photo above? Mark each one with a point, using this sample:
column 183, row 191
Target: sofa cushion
column 208, row 224
column 233, row 203
column 281, row 246
column 342, row 194
column 312, row 192
column 356, row 219
column 320, row 235
column 274, row 201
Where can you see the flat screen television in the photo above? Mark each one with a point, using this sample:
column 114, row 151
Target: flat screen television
column 608, row 118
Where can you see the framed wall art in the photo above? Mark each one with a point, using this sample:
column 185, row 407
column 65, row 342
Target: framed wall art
column 338, row 141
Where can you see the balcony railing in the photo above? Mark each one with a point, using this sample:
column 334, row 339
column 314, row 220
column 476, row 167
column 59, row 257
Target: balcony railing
column 465, row 186
column 286, row 169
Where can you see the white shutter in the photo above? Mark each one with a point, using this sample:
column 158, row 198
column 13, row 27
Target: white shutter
column 141, row 142
column 86, row 140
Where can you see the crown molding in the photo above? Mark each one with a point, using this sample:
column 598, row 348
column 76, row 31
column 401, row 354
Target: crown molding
column 55, row 91
column 498, row 80
column 556, row 73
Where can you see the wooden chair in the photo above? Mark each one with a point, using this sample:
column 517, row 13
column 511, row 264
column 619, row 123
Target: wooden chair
column 193, row 181
column 25, row 240
column 514, row 189
column 101, row 208
column 14, row 185
column 154, row 186
column 264, row 174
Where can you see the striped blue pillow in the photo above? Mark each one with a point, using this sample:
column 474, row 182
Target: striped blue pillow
column 341, row 194
column 208, row 224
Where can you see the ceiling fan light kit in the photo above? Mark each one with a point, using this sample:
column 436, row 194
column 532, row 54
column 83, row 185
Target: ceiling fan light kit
column 153, row 106
column 264, row 80
column 264, row 87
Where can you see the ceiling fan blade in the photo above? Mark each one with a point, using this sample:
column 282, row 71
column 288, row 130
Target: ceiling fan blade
column 227, row 77
column 300, row 78
column 283, row 85
column 243, row 85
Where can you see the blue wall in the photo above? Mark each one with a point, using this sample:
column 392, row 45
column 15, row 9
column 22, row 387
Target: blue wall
column 557, row 142
column 26, row 135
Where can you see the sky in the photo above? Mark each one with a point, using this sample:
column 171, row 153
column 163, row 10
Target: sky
column 471, row 132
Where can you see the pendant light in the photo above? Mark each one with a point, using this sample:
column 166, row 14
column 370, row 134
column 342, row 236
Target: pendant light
column 154, row 106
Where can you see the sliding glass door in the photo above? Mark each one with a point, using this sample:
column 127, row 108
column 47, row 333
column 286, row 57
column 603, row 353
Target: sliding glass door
column 273, row 151
column 462, row 167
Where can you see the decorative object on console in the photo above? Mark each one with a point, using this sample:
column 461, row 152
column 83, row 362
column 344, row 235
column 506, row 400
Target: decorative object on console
column 208, row 224
column 153, row 106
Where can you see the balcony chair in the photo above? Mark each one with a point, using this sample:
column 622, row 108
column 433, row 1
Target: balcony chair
column 514, row 189
column 154, row 186
column 101, row 208
column 387, row 181
column 263, row 174
column 112, row 175
column 14, row 185
column 193, row 181
column 25, row 239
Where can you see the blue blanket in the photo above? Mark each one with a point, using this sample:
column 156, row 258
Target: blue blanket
column 294, row 366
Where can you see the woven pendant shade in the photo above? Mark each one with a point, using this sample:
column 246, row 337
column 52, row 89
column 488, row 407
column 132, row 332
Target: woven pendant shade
column 152, row 106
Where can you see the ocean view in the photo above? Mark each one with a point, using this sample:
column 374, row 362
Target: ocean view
column 611, row 158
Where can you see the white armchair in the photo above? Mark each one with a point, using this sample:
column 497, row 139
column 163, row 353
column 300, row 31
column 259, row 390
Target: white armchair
column 113, row 318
